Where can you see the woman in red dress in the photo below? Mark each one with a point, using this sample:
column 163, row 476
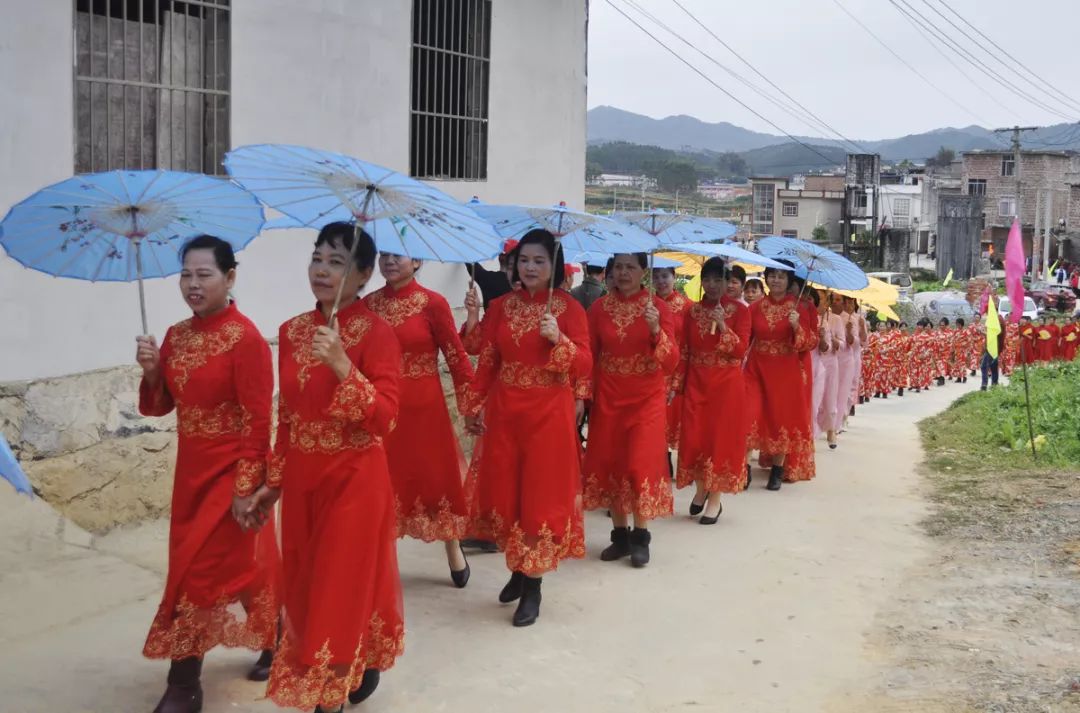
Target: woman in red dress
column 528, row 468
column 344, row 620
column 215, row 369
column 1028, row 341
column 634, row 354
column 428, row 493
column 1070, row 339
column 1046, row 340
column 776, row 383
column 663, row 279
column 712, row 445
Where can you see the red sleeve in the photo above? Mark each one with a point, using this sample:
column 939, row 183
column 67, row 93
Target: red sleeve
column 157, row 401
column 666, row 349
column 678, row 379
column 739, row 332
column 276, row 461
column 457, row 359
column 572, row 355
column 806, row 336
column 592, row 317
column 369, row 393
column 487, row 367
column 253, row 376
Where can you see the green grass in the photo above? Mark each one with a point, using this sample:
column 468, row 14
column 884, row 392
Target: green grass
column 988, row 430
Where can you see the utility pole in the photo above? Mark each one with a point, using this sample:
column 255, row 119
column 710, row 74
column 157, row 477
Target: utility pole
column 1015, row 131
column 643, row 193
column 1048, row 206
column 615, row 199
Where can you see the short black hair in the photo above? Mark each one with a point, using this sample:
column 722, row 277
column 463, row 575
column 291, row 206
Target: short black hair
column 787, row 273
column 814, row 297
column 341, row 235
column 642, row 259
column 737, row 273
column 713, row 267
column 539, row 236
column 663, row 269
column 223, row 251
column 944, row 322
column 960, row 322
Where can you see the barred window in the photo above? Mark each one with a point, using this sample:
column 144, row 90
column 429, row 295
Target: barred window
column 976, row 186
column 791, row 209
column 451, row 52
column 151, row 84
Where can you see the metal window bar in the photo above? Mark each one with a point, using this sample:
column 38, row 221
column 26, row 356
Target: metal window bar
column 106, row 86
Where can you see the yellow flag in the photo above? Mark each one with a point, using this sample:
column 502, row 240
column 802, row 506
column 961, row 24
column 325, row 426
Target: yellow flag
column 693, row 289
column 993, row 328
column 948, row 279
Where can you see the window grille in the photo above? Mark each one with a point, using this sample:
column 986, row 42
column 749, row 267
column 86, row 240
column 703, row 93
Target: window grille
column 152, row 84
column 451, row 56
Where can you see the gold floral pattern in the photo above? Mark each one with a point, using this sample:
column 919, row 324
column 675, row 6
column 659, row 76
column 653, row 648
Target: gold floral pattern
column 703, row 317
column 583, row 389
column 190, row 348
column 301, row 330
column 250, row 474
column 523, row 316
column 714, row 479
column 649, row 499
column 419, row 365
column 532, row 553
column 624, row 312
column 677, row 302
column 396, row 310
column 431, row 525
column 776, row 312
column 326, row 436
column 562, row 355
column 188, row 630
column 352, row 398
column 294, row 684
column 525, row 376
column 713, row 359
column 635, row 365
column 773, row 347
column 226, row 418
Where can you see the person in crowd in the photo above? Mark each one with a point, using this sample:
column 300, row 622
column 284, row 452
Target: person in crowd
column 754, row 290
column 712, row 443
column 339, row 383
column 591, row 288
column 568, row 280
column 943, row 351
column 663, row 279
column 1028, row 341
column 961, row 343
column 831, row 338
column 989, row 365
column 735, row 283
column 528, row 468
column 1047, row 336
column 493, row 283
column 428, row 495
column 846, row 360
column 634, row 353
column 215, row 370
column 776, row 378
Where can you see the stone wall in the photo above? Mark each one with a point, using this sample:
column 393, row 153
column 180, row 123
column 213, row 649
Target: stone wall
column 91, row 455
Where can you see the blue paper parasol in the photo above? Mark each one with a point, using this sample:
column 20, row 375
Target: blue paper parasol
column 576, row 232
column 126, row 225
column 11, row 471
column 817, row 264
column 678, row 228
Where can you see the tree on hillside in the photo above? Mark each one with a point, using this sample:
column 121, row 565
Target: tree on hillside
column 673, row 175
column 592, row 171
column 942, row 159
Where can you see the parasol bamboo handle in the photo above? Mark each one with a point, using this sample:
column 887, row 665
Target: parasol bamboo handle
column 551, row 287
column 142, row 293
column 358, row 227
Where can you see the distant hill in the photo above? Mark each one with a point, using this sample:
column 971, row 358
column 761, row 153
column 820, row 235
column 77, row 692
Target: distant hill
column 686, row 133
column 789, row 158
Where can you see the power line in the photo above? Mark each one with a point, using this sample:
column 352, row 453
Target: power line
column 754, row 69
column 981, row 66
column 753, row 87
column 903, row 61
column 709, row 79
column 1002, row 50
column 922, row 31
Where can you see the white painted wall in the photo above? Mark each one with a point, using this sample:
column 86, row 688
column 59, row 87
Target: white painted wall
column 327, row 73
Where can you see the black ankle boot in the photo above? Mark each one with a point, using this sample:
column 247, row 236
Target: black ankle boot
column 513, row 588
column 639, row 547
column 749, row 477
column 619, row 547
column 900, row 391
column 528, row 608
column 776, row 477
column 261, row 670
column 368, row 684
column 184, row 691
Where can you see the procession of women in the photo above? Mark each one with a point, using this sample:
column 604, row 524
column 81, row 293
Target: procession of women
column 285, row 519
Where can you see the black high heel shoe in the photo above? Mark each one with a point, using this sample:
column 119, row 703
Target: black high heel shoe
column 696, row 509
column 368, row 684
column 776, row 477
column 706, row 520
column 461, row 577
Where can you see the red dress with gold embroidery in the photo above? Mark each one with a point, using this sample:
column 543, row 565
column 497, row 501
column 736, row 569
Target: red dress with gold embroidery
column 1070, row 339
column 680, row 307
column 1027, row 350
column 343, row 605
column 1046, row 342
column 712, row 443
column 426, row 463
column 218, row 375
column 626, row 466
column 527, row 466
column 777, row 382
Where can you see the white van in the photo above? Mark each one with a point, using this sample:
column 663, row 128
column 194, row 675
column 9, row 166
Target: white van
column 900, row 280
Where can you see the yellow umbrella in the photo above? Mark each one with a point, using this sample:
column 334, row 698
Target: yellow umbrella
column 691, row 264
column 878, row 294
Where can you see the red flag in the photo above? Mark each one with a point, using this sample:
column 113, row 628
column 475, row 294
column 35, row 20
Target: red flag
column 1014, row 272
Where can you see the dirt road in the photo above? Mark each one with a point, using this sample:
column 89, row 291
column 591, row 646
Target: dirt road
column 768, row 611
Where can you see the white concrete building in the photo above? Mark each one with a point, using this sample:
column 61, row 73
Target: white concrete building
column 492, row 105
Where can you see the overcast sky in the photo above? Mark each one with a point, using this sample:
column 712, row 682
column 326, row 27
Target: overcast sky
column 822, row 58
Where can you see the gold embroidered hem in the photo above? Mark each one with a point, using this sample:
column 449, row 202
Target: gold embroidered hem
column 649, row 500
column 352, row 398
column 189, row 630
column 715, row 481
column 250, row 474
column 531, row 554
column 294, row 684
column 431, row 525
column 562, row 356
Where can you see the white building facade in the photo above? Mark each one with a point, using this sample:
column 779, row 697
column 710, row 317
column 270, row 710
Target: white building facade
column 492, row 104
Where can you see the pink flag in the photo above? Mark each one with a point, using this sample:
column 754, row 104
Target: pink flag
column 1014, row 272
